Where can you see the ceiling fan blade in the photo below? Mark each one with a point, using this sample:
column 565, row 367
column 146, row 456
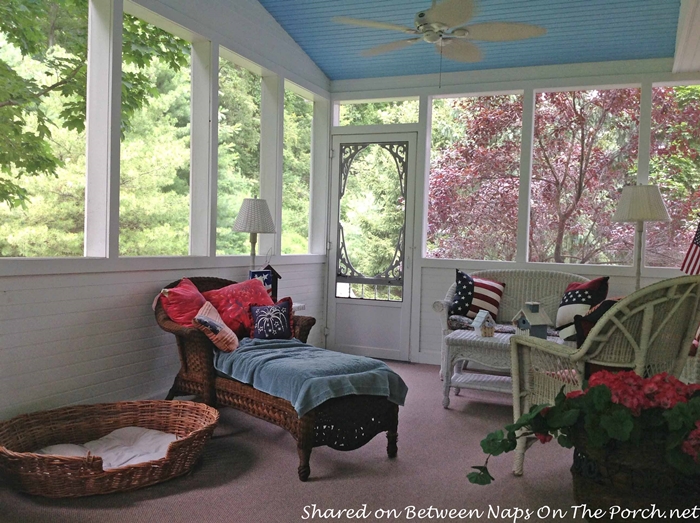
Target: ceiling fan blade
column 502, row 31
column 372, row 24
column 459, row 50
column 391, row 46
column 450, row 12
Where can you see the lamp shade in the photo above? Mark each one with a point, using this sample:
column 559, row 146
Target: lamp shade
column 254, row 216
column 641, row 203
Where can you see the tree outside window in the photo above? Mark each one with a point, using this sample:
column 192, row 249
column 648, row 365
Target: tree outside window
column 378, row 113
column 239, row 151
column 474, row 178
column 296, row 177
column 675, row 168
column 43, row 75
column 585, row 151
column 154, row 193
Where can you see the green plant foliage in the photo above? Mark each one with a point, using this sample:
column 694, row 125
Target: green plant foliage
column 620, row 408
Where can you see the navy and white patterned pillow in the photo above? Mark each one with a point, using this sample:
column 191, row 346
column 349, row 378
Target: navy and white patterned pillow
column 273, row 322
column 577, row 300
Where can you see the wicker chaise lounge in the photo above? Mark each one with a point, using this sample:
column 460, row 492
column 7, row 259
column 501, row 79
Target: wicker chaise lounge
column 344, row 423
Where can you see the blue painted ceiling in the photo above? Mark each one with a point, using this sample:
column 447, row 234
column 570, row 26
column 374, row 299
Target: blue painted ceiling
column 577, row 31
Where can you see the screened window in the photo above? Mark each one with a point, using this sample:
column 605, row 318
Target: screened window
column 154, row 200
column 239, row 151
column 43, row 76
column 298, row 120
column 585, row 151
column 474, row 178
column 378, row 113
column 675, row 167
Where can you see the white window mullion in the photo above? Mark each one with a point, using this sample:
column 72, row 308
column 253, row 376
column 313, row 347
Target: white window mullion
column 424, row 149
column 526, row 151
column 644, row 133
column 271, row 159
column 318, row 203
column 203, row 150
column 644, row 156
column 103, row 128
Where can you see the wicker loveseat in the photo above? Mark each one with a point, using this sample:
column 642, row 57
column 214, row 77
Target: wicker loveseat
column 344, row 423
column 493, row 354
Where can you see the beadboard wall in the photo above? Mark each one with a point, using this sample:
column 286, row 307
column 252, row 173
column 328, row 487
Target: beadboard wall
column 88, row 338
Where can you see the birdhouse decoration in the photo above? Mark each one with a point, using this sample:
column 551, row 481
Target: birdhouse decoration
column 532, row 321
column 269, row 277
column 265, row 276
column 275, row 278
column 485, row 323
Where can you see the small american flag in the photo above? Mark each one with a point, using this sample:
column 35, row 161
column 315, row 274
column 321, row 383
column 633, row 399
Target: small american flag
column 691, row 263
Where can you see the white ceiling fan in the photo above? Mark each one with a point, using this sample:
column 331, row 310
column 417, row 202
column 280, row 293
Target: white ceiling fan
column 442, row 25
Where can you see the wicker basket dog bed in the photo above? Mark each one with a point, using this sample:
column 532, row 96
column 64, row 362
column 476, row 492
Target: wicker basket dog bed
column 59, row 476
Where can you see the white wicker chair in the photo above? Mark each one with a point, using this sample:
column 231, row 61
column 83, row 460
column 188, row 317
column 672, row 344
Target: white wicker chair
column 650, row 331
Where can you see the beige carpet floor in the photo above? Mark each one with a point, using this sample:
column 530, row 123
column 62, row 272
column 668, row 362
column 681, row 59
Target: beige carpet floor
column 248, row 474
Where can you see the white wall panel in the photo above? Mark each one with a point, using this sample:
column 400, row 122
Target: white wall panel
column 86, row 338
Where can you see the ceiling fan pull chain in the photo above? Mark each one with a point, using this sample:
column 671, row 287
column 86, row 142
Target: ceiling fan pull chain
column 440, row 73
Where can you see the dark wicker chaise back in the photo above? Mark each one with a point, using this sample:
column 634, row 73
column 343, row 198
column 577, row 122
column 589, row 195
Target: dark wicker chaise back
column 197, row 374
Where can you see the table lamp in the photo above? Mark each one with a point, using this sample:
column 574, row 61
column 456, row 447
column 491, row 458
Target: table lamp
column 639, row 204
column 254, row 217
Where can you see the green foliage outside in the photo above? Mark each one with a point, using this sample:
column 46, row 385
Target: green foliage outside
column 43, row 52
column 474, row 172
column 296, row 187
column 154, row 192
column 239, row 152
column 379, row 113
column 372, row 211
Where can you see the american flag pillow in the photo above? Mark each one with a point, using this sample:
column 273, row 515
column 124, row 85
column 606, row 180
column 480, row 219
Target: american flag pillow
column 475, row 294
column 577, row 300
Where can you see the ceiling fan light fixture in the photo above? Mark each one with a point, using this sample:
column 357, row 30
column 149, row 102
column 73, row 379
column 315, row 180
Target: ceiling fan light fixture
column 431, row 37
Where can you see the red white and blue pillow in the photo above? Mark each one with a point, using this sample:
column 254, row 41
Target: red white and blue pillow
column 577, row 300
column 475, row 294
column 273, row 322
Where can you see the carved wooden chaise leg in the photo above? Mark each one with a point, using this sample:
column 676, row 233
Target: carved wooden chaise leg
column 304, row 470
column 392, row 435
column 305, row 443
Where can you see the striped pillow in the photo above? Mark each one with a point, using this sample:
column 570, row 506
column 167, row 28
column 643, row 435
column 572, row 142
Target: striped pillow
column 475, row 294
column 210, row 323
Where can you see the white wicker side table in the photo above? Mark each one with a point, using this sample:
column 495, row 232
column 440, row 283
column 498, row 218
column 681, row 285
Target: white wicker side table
column 493, row 352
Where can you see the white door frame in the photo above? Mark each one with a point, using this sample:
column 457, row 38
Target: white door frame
column 400, row 350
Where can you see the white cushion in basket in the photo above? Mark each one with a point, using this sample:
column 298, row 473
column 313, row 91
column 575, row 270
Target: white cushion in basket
column 120, row 448
column 65, row 449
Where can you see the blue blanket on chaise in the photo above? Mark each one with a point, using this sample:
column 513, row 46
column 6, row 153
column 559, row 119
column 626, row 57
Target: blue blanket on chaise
column 305, row 375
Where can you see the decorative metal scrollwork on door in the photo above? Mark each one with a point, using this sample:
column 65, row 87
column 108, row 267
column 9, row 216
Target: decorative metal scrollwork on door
column 371, row 162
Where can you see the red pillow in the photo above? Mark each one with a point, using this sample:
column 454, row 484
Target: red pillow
column 233, row 303
column 181, row 303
